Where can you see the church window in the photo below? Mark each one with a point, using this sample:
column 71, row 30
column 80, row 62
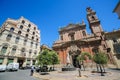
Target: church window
column 61, row 37
column 84, row 33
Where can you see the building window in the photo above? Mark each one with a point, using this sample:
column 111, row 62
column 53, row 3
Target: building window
column 84, row 33
column 36, row 45
column 26, row 35
column 23, row 21
column 23, row 52
column 25, row 41
column 13, row 50
column 30, row 51
column 21, row 26
column 11, row 29
column 4, row 49
column 10, row 61
column 17, row 39
column 35, row 52
column 61, row 37
column 34, row 28
column 37, row 39
column 93, row 18
column 31, row 44
column 33, row 33
column 72, row 37
column 1, row 60
column 32, row 38
column 19, row 32
column 8, row 37
column 29, row 25
column 28, row 30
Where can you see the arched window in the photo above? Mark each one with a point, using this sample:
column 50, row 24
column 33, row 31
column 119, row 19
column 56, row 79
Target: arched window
column 28, row 30
column 4, row 49
column 23, row 52
column 25, row 41
column 35, row 52
column 23, row 21
column 31, row 44
column 13, row 50
column 37, row 39
column 84, row 33
column 30, row 51
column 11, row 29
column 17, row 39
column 29, row 25
column 36, row 45
column 32, row 38
column 33, row 33
column 8, row 37
column 26, row 35
column 34, row 28
column 19, row 32
column 21, row 26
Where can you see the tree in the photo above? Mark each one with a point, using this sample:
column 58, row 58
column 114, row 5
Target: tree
column 101, row 59
column 81, row 58
column 47, row 57
column 54, row 58
column 44, row 58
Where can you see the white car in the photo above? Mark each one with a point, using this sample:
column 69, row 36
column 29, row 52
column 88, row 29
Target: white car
column 13, row 66
column 2, row 67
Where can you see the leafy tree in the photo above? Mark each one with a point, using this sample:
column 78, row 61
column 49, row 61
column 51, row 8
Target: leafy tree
column 44, row 58
column 54, row 58
column 47, row 57
column 101, row 59
column 81, row 58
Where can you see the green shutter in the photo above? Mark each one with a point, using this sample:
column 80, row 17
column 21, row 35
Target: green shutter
column 10, row 60
column 1, row 60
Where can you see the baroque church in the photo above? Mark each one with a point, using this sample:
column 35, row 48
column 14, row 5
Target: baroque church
column 73, row 40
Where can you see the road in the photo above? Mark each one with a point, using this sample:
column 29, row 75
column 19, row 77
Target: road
column 17, row 75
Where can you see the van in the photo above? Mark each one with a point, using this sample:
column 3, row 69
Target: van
column 13, row 66
column 3, row 68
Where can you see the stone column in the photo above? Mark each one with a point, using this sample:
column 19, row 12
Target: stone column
column 15, row 59
column 5, row 60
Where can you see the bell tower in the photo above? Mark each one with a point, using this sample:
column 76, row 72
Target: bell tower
column 94, row 22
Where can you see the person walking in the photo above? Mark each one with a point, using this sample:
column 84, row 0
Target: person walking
column 32, row 71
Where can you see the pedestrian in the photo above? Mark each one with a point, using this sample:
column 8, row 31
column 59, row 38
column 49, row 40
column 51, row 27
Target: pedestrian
column 32, row 71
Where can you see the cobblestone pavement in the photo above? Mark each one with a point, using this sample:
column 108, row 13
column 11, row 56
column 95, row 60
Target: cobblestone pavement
column 111, row 74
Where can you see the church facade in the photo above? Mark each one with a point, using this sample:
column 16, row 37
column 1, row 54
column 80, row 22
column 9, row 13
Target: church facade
column 73, row 39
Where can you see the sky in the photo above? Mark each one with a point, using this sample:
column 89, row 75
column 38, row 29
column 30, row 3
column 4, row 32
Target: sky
column 50, row 15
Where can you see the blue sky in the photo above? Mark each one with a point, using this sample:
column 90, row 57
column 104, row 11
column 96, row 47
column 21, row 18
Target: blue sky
column 50, row 15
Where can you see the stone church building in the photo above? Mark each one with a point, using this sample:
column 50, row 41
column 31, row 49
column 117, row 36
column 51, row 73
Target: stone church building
column 74, row 39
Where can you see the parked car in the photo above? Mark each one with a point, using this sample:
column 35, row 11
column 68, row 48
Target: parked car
column 13, row 66
column 3, row 68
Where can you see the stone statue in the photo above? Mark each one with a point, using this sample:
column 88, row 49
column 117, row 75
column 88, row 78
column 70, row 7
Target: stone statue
column 68, row 59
